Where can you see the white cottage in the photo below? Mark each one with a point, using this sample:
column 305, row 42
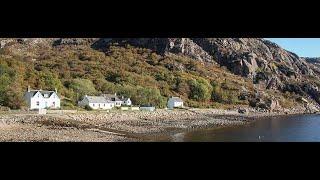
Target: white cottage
column 42, row 99
column 174, row 102
column 126, row 101
column 96, row 102
column 113, row 98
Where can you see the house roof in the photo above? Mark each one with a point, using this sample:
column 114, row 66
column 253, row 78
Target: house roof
column 176, row 99
column 97, row 99
column 111, row 97
column 43, row 92
column 125, row 99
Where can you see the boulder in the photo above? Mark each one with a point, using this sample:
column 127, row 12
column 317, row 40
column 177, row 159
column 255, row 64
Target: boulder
column 243, row 111
column 274, row 105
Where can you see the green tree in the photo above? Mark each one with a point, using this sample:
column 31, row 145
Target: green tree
column 198, row 90
column 48, row 80
column 82, row 87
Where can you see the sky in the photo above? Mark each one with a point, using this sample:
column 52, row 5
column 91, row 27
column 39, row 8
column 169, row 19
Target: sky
column 303, row 47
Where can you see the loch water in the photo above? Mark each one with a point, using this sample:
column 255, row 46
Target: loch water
column 302, row 128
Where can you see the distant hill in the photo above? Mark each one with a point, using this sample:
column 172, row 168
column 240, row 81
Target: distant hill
column 204, row 72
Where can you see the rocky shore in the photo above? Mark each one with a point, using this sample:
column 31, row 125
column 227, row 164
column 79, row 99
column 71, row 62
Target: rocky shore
column 118, row 126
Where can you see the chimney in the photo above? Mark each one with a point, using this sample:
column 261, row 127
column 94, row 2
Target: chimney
column 28, row 88
column 56, row 90
column 115, row 94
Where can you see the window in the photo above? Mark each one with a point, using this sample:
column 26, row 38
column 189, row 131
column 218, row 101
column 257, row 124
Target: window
column 38, row 103
column 54, row 103
column 93, row 104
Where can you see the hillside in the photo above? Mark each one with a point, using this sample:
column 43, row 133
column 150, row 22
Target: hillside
column 205, row 72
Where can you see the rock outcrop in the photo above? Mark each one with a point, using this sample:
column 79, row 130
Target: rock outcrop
column 248, row 56
column 167, row 46
column 75, row 41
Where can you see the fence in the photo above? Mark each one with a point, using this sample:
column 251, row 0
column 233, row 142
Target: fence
column 61, row 111
column 147, row 108
column 125, row 108
column 135, row 108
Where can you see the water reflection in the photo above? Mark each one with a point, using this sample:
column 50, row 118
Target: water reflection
column 179, row 137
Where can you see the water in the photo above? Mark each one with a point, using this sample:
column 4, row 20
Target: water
column 304, row 128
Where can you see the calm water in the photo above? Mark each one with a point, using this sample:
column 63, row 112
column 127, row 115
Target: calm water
column 285, row 129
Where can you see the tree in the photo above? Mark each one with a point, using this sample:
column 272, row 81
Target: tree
column 143, row 95
column 49, row 80
column 222, row 93
column 82, row 87
column 114, row 77
column 198, row 90
column 11, row 93
column 14, row 97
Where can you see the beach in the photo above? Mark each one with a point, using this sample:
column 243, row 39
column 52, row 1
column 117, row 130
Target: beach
column 118, row 126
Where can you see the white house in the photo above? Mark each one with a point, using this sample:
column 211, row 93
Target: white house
column 96, row 102
column 41, row 99
column 174, row 102
column 126, row 101
column 114, row 98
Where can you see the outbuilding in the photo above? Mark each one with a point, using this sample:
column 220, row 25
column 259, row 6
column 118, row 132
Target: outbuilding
column 175, row 102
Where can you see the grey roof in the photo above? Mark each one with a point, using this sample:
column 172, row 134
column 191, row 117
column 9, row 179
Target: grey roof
column 111, row 97
column 176, row 99
column 97, row 99
column 125, row 99
column 33, row 92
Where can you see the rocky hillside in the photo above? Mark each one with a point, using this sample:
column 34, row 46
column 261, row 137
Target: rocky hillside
column 314, row 63
column 267, row 74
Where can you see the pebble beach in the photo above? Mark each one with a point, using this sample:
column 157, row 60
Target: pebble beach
column 115, row 126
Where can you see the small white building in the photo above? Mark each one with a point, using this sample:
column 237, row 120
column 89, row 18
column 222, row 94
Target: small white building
column 126, row 101
column 96, row 102
column 174, row 102
column 114, row 98
column 41, row 99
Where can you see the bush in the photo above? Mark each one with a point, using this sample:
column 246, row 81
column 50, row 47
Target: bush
column 198, row 90
column 223, row 94
column 82, row 87
column 114, row 77
column 88, row 108
column 49, row 80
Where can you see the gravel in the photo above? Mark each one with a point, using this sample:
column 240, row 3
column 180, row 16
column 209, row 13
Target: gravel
column 114, row 126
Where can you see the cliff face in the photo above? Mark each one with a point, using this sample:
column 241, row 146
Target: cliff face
column 242, row 56
column 247, row 56
column 167, row 46
column 263, row 62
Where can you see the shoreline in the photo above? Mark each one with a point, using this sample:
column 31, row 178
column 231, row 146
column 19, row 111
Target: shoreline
column 245, row 120
column 116, row 126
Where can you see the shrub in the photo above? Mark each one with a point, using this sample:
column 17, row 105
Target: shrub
column 199, row 91
column 82, row 87
column 88, row 108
